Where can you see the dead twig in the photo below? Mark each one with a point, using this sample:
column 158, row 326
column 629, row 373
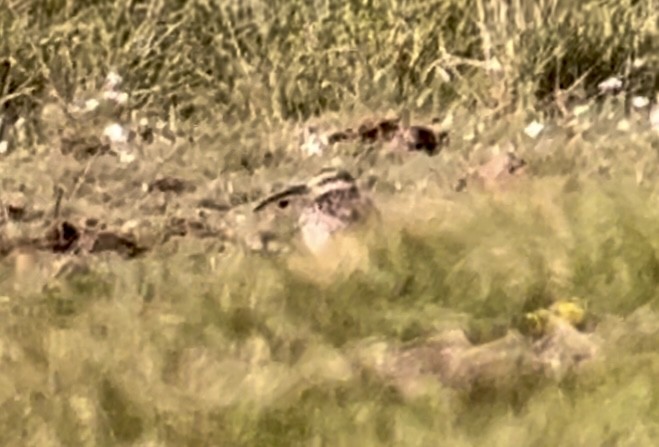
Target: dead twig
column 59, row 195
column 82, row 176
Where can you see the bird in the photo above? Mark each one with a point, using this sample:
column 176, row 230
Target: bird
column 420, row 138
column 329, row 202
column 402, row 136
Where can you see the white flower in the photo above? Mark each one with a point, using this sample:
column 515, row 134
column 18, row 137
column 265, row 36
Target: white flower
column 116, row 133
column 534, row 129
column 623, row 125
column 120, row 98
column 91, row 105
column 639, row 63
column 580, row 109
column 640, row 102
column 126, row 157
column 610, row 84
column 313, row 143
column 113, row 80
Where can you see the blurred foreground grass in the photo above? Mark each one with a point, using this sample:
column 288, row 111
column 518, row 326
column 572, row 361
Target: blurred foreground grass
column 197, row 345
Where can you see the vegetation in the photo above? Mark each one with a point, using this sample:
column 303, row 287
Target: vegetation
column 200, row 342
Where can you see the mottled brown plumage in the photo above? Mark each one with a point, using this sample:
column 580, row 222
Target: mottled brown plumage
column 330, row 202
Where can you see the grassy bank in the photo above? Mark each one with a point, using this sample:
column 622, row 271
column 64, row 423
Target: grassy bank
column 198, row 342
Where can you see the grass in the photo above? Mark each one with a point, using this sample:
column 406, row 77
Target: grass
column 200, row 343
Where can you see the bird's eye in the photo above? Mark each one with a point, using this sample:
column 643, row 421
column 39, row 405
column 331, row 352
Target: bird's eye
column 283, row 204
